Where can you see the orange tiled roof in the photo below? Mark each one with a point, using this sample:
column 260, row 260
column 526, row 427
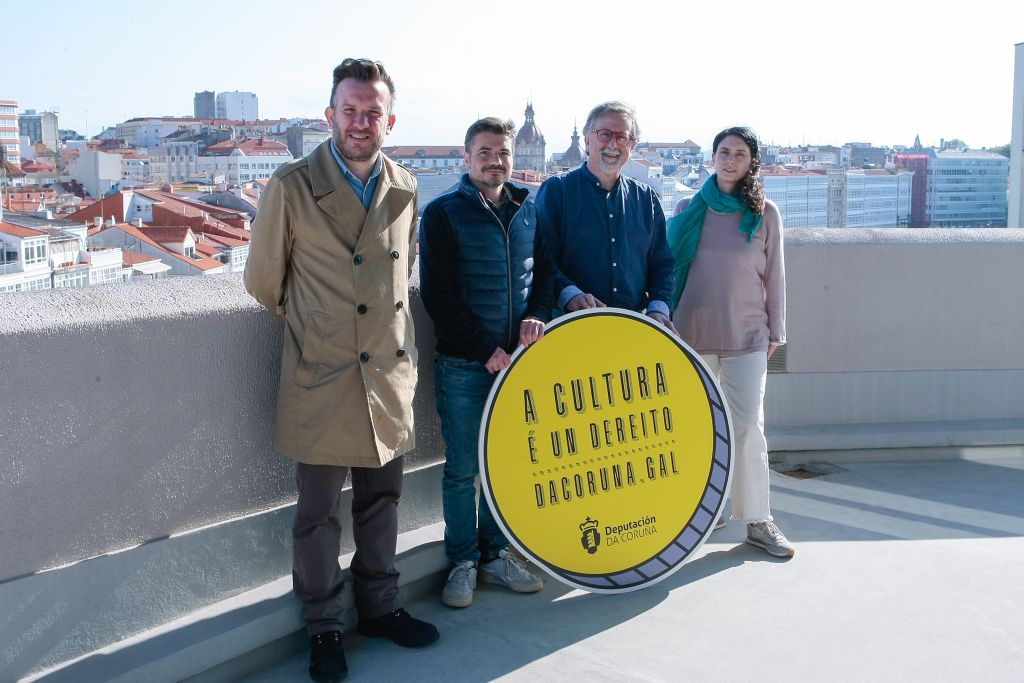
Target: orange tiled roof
column 229, row 242
column 132, row 258
column 164, row 234
column 250, row 147
column 202, row 263
column 18, row 231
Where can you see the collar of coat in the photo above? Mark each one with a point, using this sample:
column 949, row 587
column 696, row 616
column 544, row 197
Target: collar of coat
column 396, row 188
column 326, row 177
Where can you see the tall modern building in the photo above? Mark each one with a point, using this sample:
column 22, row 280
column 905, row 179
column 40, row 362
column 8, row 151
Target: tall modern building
column 9, row 131
column 237, row 106
column 802, row 196
column 967, row 189
column 204, row 105
column 41, row 127
column 530, row 144
column 876, row 198
column 840, row 198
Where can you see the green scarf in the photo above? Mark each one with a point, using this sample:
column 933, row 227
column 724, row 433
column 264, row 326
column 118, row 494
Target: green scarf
column 684, row 228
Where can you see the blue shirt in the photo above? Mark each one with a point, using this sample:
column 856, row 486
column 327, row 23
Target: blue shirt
column 609, row 243
column 363, row 192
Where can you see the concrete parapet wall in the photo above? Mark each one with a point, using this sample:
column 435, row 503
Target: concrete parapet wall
column 138, row 481
column 136, row 412
column 900, row 338
column 901, row 300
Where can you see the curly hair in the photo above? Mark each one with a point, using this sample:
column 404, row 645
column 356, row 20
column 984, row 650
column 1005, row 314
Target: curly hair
column 750, row 188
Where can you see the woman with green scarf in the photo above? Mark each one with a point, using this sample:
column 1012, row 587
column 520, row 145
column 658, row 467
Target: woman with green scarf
column 730, row 307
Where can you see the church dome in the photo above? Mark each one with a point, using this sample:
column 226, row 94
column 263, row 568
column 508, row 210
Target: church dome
column 529, row 134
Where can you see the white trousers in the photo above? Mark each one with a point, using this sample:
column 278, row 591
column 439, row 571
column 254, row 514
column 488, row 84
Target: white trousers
column 742, row 379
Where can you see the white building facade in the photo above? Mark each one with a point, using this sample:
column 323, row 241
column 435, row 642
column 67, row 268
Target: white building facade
column 97, row 172
column 242, row 162
column 237, row 106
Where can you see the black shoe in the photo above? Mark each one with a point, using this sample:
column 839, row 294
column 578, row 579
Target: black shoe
column 400, row 627
column 327, row 658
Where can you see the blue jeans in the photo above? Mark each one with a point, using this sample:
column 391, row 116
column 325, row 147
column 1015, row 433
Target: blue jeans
column 461, row 388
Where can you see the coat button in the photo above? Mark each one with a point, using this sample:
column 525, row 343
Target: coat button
column 399, row 305
column 357, row 259
column 361, row 309
column 401, row 352
column 364, row 356
column 394, row 255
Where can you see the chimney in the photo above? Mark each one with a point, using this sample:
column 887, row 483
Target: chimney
column 137, row 222
column 98, row 221
column 110, row 222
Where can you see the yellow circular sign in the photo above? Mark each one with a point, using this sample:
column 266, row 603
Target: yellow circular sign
column 605, row 451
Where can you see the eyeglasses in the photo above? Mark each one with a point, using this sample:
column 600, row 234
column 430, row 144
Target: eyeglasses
column 351, row 61
column 605, row 135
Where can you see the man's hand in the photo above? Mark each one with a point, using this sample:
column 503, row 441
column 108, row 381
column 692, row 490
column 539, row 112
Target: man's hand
column 582, row 301
column 664, row 320
column 772, row 348
column 498, row 361
column 530, row 331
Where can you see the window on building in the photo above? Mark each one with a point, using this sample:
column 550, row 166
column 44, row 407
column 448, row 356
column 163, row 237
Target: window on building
column 104, row 276
column 35, row 252
column 79, row 278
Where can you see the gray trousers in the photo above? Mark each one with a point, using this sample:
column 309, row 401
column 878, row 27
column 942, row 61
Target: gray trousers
column 316, row 542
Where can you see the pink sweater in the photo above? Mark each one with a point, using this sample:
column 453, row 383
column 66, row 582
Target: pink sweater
column 734, row 302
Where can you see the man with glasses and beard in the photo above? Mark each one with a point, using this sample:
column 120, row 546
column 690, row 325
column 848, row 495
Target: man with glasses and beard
column 606, row 231
column 331, row 254
column 486, row 281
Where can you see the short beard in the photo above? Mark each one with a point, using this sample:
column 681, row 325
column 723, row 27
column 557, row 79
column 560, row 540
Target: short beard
column 488, row 182
column 348, row 155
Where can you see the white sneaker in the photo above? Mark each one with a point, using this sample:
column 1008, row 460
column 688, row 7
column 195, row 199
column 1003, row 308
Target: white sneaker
column 511, row 572
column 720, row 524
column 458, row 589
column 767, row 536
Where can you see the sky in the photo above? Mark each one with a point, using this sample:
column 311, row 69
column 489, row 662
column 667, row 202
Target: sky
column 803, row 72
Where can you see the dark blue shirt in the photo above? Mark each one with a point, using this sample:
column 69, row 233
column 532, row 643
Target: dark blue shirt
column 611, row 244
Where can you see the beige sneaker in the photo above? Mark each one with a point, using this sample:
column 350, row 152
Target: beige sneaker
column 766, row 535
column 511, row 572
column 458, row 589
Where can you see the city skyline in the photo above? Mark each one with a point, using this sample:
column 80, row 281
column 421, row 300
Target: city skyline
column 884, row 75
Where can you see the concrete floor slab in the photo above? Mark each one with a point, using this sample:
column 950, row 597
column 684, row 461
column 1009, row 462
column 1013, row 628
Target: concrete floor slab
column 904, row 571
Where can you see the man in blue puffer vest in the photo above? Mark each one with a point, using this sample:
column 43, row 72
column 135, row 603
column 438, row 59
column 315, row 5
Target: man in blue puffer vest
column 488, row 283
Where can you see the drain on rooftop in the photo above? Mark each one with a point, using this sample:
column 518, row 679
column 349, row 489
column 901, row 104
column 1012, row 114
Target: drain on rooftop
column 805, row 471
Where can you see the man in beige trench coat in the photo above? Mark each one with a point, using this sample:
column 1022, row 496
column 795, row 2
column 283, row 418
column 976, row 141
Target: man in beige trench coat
column 331, row 253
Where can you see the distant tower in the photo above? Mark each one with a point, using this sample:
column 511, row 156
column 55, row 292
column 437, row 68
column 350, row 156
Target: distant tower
column 204, row 105
column 573, row 156
column 529, row 144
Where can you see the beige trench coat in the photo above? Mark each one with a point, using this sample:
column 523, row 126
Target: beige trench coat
column 339, row 276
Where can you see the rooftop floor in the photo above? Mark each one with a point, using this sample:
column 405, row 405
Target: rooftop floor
column 905, row 570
